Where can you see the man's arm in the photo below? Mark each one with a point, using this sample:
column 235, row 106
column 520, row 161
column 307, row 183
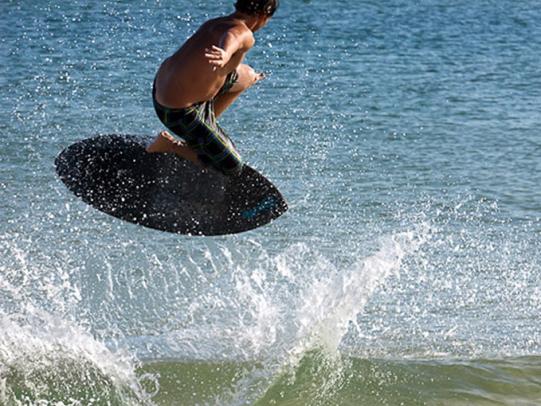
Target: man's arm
column 230, row 43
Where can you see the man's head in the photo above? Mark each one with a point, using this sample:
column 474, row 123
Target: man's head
column 257, row 7
column 262, row 9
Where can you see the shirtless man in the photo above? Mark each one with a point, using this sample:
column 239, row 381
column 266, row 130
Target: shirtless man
column 201, row 80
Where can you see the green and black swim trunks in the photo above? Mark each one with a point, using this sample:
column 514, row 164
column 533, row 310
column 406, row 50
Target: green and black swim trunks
column 198, row 127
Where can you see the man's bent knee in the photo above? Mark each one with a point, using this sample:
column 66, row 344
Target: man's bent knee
column 247, row 78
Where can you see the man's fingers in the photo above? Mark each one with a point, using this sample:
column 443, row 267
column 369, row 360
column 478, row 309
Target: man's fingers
column 212, row 52
column 215, row 50
column 213, row 56
column 218, row 64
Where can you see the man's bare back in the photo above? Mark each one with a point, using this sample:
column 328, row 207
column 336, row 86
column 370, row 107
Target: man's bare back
column 187, row 77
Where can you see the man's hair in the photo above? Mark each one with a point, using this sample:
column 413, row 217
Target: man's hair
column 257, row 7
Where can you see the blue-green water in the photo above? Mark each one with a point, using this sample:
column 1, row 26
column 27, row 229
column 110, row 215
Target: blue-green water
column 406, row 138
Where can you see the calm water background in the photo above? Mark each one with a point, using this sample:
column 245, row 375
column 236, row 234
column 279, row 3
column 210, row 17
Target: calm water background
column 406, row 138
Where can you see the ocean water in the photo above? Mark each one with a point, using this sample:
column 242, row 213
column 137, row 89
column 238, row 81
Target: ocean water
column 406, row 138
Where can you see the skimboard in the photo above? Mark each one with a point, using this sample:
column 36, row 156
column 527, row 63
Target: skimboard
column 115, row 174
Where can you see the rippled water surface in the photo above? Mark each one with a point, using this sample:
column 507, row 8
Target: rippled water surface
column 405, row 137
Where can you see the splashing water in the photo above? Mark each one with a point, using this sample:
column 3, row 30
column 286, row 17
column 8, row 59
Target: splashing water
column 44, row 360
column 407, row 271
column 327, row 302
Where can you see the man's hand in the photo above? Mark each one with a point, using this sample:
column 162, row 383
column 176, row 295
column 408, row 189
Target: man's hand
column 217, row 56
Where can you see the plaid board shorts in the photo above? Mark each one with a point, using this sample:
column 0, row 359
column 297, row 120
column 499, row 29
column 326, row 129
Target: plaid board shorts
column 197, row 126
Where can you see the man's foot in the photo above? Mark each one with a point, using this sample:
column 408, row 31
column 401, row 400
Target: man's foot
column 165, row 142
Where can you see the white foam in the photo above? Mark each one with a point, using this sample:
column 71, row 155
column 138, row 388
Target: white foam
column 326, row 303
column 39, row 346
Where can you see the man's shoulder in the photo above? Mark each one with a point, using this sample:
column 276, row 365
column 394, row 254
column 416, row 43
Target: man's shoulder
column 240, row 30
column 225, row 25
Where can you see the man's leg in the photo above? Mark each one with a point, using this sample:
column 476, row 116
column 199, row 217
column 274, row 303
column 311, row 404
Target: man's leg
column 247, row 78
column 222, row 102
column 165, row 142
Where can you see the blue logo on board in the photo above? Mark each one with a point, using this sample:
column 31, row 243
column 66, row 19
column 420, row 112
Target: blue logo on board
column 264, row 205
